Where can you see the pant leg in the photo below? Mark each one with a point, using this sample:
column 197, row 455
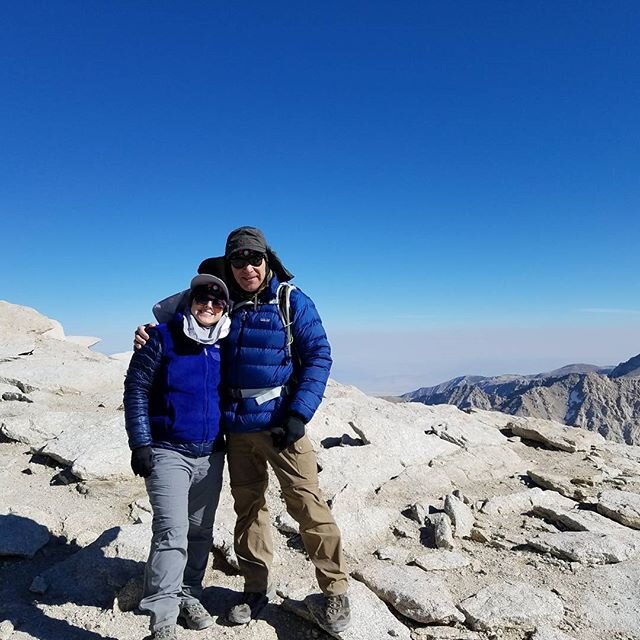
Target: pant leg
column 204, row 495
column 297, row 471
column 168, row 489
column 252, row 536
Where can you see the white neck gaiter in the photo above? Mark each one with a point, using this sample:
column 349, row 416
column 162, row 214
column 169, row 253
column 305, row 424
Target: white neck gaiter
column 205, row 335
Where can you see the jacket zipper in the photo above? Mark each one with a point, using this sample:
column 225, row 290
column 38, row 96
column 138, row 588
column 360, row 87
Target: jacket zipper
column 206, row 395
column 243, row 321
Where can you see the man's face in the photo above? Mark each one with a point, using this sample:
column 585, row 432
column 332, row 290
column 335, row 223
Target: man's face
column 249, row 271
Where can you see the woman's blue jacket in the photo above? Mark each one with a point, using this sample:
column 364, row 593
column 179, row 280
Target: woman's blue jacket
column 171, row 393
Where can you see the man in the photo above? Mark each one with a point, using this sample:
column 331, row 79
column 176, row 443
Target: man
column 273, row 381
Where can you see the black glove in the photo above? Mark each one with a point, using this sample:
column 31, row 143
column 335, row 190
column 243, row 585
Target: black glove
column 142, row 461
column 292, row 430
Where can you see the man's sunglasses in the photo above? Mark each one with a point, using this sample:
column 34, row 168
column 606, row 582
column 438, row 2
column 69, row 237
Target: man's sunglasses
column 240, row 263
column 205, row 299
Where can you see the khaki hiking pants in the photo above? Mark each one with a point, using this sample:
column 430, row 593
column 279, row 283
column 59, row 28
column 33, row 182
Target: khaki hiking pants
column 248, row 455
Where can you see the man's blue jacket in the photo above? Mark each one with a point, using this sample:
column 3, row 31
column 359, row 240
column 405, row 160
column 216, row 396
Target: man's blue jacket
column 255, row 356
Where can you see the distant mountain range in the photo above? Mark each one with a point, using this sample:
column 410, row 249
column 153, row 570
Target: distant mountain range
column 602, row 399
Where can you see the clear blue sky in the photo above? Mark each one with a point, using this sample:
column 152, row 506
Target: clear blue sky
column 421, row 166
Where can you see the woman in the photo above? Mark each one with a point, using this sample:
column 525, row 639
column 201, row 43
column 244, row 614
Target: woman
column 172, row 416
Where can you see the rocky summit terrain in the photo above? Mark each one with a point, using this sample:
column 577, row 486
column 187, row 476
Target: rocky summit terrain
column 457, row 525
column 605, row 400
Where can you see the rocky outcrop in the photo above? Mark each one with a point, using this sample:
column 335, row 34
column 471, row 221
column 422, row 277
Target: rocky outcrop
column 455, row 525
column 601, row 399
column 629, row 368
column 512, row 605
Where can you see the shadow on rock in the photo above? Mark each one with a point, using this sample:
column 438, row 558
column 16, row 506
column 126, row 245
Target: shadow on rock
column 94, row 575
column 37, row 624
column 218, row 601
column 90, row 576
column 21, row 537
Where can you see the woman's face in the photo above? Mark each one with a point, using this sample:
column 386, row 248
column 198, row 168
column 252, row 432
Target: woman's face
column 206, row 313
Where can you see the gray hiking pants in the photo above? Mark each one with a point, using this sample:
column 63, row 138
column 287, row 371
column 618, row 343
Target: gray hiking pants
column 184, row 493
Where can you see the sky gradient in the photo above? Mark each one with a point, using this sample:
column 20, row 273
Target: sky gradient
column 459, row 173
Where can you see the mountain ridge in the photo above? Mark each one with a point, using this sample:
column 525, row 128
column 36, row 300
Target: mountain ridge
column 604, row 399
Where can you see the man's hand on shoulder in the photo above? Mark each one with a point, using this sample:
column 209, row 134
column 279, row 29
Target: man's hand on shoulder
column 141, row 336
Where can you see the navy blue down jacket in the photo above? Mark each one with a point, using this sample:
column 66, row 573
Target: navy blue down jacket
column 255, row 356
column 171, row 393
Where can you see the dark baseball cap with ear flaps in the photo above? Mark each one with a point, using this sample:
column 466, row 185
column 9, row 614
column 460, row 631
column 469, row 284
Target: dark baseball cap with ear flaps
column 245, row 239
column 251, row 239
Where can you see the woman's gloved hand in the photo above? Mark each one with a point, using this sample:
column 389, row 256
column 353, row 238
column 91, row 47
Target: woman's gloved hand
column 142, row 461
column 284, row 436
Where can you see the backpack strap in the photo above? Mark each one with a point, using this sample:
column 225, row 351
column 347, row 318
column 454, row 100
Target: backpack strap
column 283, row 297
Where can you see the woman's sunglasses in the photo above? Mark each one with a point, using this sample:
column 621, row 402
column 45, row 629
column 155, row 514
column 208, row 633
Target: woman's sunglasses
column 215, row 302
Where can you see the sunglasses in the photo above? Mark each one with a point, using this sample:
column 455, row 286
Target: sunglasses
column 205, row 299
column 254, row 260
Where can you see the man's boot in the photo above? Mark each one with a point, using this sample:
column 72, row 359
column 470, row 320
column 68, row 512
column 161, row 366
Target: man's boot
column 337, row 613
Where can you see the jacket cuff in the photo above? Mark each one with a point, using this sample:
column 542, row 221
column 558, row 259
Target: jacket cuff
column 298, row 416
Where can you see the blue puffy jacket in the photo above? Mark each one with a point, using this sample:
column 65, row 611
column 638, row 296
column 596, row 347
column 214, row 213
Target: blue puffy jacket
column 171, row 396
column 255, row 356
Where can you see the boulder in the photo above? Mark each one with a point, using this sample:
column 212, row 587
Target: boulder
column 622, row 506
column 115, row 558
column 6, row 629
column 587, row 547
column 563, row 484
column 21, row 536
column 97, row 449
column 461, row 516
column 411, row 591
column 585, row 520
column 395, row 554
column 419, row 512
column 366, row 467
column 405, row 528
column 478, row 465
column 607, row 602
column 370, row 617
column 556, row 435
column 400, row 490
column 387, row 428
column 365, row 523
column 511, row 605
column 442, row 531
column 463, row 430
column 525, row 501
column 440, row 560
column 36, row 425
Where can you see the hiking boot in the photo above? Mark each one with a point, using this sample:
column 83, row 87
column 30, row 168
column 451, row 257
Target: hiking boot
column 168, row 632
column 248, row 609
column 337, row 613
column 195, row 616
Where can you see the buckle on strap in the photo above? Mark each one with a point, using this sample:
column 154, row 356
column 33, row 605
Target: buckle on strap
column 259, row 395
